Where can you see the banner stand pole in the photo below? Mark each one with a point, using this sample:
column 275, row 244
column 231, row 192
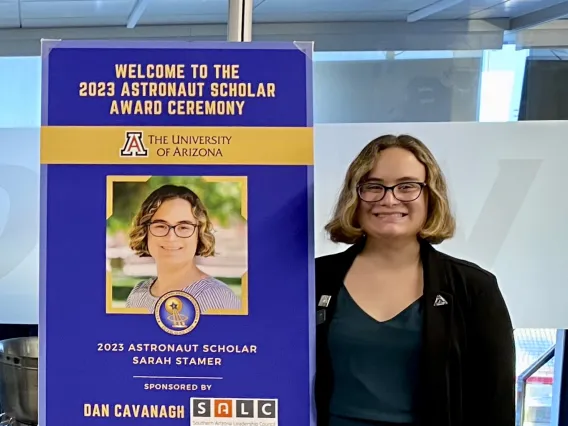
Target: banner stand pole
column 239, row 25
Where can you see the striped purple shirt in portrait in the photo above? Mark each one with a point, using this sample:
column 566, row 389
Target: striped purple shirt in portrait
column 209, row 292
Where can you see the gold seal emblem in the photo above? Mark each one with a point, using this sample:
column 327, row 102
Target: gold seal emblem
column 177, row 313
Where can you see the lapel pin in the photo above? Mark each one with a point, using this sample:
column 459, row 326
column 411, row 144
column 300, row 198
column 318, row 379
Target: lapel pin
column 324, row 301
column 440, row 301
column 320, row 316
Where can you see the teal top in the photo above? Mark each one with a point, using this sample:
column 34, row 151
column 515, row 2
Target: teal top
column 375, row 364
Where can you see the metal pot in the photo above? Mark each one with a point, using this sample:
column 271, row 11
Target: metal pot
column 19, row 379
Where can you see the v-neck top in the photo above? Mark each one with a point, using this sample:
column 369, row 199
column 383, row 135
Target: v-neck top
column 375, row 364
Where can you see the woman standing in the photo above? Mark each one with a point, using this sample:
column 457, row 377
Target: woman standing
column 407, row 335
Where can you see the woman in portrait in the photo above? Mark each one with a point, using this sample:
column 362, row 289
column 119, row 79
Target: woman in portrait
column 406, row 335
column 173, row 227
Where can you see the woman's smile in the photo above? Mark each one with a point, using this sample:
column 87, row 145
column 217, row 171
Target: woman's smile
column 390, row 217
column 171, row 248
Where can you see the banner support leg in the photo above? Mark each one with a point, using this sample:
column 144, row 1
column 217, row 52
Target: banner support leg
column 239, row 26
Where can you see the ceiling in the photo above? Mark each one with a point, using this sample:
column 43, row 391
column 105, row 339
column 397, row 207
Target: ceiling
column 94, row 13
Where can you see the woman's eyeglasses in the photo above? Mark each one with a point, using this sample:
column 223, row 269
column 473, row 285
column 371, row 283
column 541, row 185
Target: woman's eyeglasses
column 182, row 230
column 405, row 192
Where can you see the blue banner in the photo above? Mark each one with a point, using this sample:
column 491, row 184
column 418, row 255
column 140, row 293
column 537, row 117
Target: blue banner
column 176, row 234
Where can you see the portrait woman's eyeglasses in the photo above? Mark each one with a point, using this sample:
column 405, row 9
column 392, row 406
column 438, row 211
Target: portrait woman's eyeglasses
column 182, row 230
column 405, row 192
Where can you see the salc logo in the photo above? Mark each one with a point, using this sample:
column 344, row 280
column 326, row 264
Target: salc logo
column 134, row 145
column 236, row 411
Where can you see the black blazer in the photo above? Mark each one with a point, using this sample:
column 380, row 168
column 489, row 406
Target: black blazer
column 468, row 361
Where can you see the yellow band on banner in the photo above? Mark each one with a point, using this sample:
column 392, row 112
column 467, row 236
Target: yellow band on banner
column 177, row 145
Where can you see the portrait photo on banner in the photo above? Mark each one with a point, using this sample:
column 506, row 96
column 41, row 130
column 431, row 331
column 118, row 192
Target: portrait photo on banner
column 176, row 233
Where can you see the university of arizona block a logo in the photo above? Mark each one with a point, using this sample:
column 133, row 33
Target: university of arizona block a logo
column 134, row 145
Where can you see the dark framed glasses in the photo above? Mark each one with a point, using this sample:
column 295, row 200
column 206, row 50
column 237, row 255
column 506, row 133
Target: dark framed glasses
column 182, row 230
column 405, row 192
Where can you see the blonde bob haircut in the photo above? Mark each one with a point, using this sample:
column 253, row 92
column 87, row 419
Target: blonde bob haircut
column 440, row 223
column 139, row 231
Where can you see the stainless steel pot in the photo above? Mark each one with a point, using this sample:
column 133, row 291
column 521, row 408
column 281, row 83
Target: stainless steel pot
column 19, row 379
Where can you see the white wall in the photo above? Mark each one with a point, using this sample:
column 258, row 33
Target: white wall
column 507, row 183
column 425, row 90
column 19, row 225
column 20, row 89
